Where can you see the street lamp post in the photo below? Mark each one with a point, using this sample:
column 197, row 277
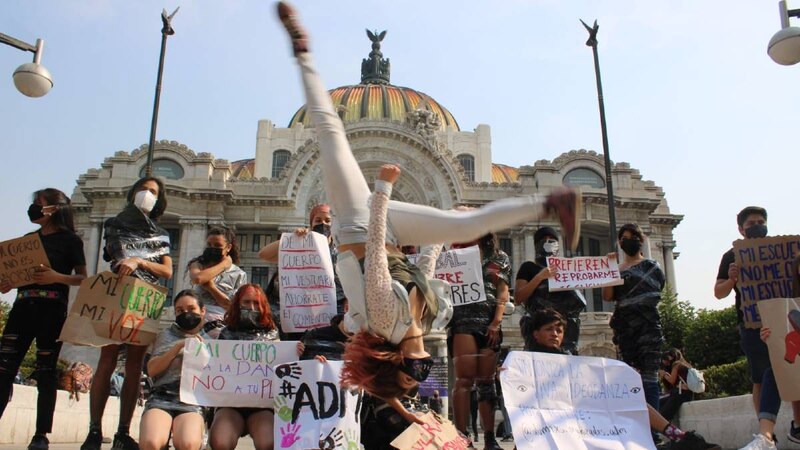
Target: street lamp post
column 784, row 47
column 166, row 30
column 31, row 79
column 612, row 218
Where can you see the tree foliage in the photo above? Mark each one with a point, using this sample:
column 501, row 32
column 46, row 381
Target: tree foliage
column 712, row 338
column 676, row 317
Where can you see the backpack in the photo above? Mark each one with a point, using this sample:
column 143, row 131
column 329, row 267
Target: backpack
column 695, row 381
column 76, row 379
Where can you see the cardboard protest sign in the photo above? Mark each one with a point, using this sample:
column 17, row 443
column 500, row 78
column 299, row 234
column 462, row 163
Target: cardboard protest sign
column 583, row 272
column 435, row 433
column 232, row 373
column 114, row 309
column 463, row 270
column 308, row 292
column 19, row 257
column 574, row 402
column 311, row 410
column 765, row 271
column 782, row 317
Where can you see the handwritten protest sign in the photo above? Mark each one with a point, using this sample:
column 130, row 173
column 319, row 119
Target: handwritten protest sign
column 19, row 257
column 583, row 272
column 308, row 292
column 434, row 433
column 574, row 402
column 232, row 373
column 311, row 410
column 114, row 309
column 462, row 269
column 765, row 271
column 782, row 317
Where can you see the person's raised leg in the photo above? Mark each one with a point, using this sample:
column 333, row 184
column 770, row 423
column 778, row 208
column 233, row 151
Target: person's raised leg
column 227, row 427
column 347, row 189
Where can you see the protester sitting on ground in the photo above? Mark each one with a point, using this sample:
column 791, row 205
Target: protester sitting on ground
column 216, row 276
column 673, row 373
column 40, row 308
column 548, row 333
column 136, row 246
column 164, row 413
column 248, row 319
column 636, row 321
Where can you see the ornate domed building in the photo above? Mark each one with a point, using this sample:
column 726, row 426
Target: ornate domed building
column 443, row 166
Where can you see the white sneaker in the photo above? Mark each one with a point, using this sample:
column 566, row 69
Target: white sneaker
column 760, row 442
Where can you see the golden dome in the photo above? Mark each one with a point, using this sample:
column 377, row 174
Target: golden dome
column 379, row 102
column 502, row 173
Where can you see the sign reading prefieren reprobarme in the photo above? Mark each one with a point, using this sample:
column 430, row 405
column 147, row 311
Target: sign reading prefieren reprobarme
column 583, row 272
column 308, row 292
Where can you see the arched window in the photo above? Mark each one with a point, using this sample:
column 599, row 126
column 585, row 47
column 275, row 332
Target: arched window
column 279, row 160
column 166, row 168
column 468, row 163
column 584, row 177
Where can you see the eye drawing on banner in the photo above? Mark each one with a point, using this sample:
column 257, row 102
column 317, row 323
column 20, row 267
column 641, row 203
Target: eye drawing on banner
column 289, row 435
column 330, row 441
column 288, row 370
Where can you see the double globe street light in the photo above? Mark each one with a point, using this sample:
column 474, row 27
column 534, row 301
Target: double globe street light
column 31, row 79
column 784, row 47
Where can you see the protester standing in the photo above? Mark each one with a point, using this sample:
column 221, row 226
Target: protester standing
column 136, row 246
column 40, row 308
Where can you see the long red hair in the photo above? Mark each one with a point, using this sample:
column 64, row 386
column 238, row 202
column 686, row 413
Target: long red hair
column 373, row 364
column 232, row 316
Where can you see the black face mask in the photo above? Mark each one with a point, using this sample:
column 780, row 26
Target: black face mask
column 417, row 369
column 756, row 231
column 323, row 229
column 35, row 212
column 188, row 321
column 631, row 247
column 212, row 255
column 248, row 318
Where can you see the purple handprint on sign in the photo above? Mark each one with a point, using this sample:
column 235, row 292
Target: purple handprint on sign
column 289, row 435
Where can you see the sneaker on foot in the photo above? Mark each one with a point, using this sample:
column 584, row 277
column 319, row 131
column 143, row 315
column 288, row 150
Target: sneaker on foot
column 794, row 433
column 693, row 441
column 566, row 204
column 39, row 442
column 124, row 442
column 93, row 440
column 289, row 19
column 760, row 442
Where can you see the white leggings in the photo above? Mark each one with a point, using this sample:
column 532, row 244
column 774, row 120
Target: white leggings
column 408, row 223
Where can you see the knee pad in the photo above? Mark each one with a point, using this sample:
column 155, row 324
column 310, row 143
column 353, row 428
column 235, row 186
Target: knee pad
column 487, row 393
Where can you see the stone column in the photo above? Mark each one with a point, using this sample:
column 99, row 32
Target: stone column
column 91, row 246
column 530, row 246
column 669, row 264
column 193, row 240
column 646, row 248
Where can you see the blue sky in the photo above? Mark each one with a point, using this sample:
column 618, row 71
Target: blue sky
column 692, row 99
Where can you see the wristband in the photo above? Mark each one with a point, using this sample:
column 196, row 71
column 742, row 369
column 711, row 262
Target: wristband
column 384, row 187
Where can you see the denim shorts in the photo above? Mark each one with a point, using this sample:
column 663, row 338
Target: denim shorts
column 756, row 352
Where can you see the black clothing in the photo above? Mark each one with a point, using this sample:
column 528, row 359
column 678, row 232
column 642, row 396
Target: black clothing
column 41, row 317
column 133, row 234
column 542, row 349
column 475, row 318
column 381, row 424
column 568, row 303
column 636, row 321
column 65, row 252
column 727, row 259
column 327, row 341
